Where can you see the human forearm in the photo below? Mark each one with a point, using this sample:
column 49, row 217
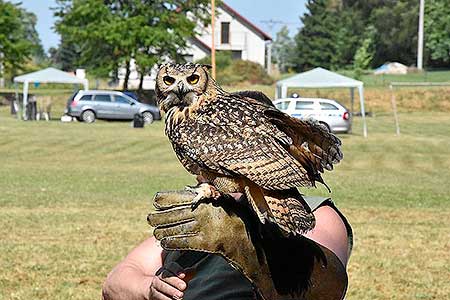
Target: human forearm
column 126, row 282
column 134, row 279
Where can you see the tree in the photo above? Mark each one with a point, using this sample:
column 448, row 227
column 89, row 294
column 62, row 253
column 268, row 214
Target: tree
column 396, row 25
column 365, row 53
column 314, row 41
column 37, row 51
column 283, row 48
column 66, row 57
column 437, row 31
column 111, row 33
column 333, row 30
column 346, row 38
column 329, row 36
column 16, row 42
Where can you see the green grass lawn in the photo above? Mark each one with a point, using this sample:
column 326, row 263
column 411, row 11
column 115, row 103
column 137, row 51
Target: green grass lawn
column 371, row 80
column 74, row 199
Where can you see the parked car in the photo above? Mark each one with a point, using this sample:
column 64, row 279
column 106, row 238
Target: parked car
column 87, row 106
column 328, row 112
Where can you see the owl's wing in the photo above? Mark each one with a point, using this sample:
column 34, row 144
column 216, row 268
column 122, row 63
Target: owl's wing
column 268, row 147
column 310, row 139
column 255, row 95
column 257, row 157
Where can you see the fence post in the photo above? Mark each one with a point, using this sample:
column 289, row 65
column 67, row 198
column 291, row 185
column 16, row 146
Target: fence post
column 394, row 108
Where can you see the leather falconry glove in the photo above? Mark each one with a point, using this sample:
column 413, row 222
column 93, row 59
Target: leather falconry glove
column 278, row 267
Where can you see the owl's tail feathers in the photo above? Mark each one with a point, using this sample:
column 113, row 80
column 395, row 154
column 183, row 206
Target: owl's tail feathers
column 257, row 201
column 290, row 212
column 286, row 209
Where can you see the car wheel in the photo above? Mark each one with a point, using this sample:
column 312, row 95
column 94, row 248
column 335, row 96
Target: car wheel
column 88, row 116
column 148, row 117
column 327, row 127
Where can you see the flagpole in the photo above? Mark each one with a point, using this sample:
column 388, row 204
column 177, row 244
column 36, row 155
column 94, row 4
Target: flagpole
column 213, row 44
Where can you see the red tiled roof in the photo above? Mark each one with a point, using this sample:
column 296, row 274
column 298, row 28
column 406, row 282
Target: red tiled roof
column 245, row 21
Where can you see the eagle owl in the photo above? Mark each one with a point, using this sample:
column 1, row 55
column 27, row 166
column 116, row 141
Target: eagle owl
column 239, row 142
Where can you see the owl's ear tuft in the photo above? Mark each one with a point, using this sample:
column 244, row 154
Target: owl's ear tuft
column 206, row 67
column 164, row 65
column 160, row 66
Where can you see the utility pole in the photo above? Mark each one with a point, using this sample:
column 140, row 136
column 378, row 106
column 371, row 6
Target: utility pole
column 269, row 58
column 2, row 78
column 420, row 36
column 213, row 42
column 271, row 24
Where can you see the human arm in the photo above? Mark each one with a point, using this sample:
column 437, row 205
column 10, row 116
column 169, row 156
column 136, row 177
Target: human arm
column 134, row 278
column 278, row 267
column 329, row 231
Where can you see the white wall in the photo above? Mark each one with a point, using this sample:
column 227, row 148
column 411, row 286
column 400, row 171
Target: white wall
column 240, row 38
column 195, row 51
column 133, row 81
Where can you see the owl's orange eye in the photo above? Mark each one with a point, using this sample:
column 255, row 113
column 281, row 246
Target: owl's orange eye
column 193, row 79
column 168, row 80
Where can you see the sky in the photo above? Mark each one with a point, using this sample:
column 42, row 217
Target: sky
column 269, row 15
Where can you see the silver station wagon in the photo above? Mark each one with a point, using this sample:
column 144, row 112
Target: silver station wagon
column 87, row 106
column 328, row 112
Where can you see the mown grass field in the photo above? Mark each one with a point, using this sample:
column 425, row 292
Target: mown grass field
column 74, row 199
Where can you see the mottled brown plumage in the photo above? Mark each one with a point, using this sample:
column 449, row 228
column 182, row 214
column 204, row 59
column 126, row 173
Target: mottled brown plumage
column 239, row 142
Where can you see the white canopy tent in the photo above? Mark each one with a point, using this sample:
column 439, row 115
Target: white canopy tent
column 322, row 78
column 49, row 75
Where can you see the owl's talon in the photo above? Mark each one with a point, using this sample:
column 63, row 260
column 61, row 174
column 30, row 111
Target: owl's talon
column 203, row 191
column 192, row 189
column 195, row 203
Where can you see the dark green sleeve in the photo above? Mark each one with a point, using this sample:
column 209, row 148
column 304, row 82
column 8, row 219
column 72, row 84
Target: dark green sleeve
column 214, row 278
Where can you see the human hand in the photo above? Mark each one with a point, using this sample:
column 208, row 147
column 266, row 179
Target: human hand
column 167, row 286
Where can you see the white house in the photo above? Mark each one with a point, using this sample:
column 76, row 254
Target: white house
column 232, row 32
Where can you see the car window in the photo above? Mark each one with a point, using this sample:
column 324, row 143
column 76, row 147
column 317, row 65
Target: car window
column 86, row 98
column 120, row 99
column 327, row 106
column 282, row 105
column 304, row 105
column 103, row 98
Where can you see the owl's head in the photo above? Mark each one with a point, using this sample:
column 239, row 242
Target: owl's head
column 180, row 85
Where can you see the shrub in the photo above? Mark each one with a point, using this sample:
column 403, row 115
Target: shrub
column 231, row 71
column 223, row 60
column 244, row 71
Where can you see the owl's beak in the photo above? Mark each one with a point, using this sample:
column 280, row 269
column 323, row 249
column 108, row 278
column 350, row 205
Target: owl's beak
column 180, row 91
column 179, row 96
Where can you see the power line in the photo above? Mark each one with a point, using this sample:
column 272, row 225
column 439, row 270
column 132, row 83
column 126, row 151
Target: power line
column 271, row 23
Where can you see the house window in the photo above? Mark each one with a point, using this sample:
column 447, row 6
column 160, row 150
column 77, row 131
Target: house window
column 236, row 54
column 189, row 58
column 225, row 33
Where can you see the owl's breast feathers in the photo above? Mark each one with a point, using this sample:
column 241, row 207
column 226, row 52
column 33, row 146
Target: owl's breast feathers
column 235, row 135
